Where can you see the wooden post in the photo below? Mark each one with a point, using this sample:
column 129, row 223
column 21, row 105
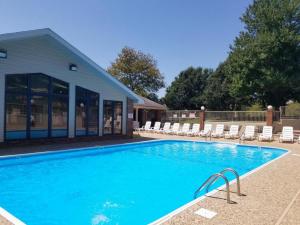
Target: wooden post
column 269, row 116
column 202, row 117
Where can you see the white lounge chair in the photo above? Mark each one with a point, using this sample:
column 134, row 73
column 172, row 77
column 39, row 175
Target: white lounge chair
column 249, row 133
column 195, row 130
column 156, row 127
column 146, row 127
column 219, row 131
column 166, row 127
column 267, row 134
column 233, row 132
column 175, row 128
column 206, row 131
column 184, row 129
column 287, row 134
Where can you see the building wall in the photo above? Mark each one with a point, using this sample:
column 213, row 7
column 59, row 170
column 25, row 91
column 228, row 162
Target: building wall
column 44, row 55
column 129, row 118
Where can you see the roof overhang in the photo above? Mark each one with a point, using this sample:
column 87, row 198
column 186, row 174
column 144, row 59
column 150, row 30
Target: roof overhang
column 52, row 34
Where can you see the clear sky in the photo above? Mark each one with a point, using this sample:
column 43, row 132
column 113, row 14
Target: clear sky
column 178, row 33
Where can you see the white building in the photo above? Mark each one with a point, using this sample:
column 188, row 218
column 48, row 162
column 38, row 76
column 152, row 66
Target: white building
column 49, row 89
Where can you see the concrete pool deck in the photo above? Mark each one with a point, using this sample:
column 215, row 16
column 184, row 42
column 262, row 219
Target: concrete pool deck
column 272, row 193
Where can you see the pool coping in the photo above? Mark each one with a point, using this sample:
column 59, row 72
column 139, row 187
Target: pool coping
column 16, row 221
column 10, row 218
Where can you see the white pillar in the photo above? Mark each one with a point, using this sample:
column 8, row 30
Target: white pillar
column 72, row 110
column 101, row 115
column 2, row 102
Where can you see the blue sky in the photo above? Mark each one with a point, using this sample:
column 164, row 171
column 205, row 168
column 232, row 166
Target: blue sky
column 177, row 33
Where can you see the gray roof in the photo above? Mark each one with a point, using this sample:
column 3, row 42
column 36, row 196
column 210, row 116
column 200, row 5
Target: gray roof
column 52, row 34
column 149, row 104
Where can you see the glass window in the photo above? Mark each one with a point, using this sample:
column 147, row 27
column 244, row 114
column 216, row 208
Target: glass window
column 80, row 117
column 16, row 83
column 39, row 83
column 59, row 117
column 45, row 107
column 16, row 116
column 108, row 114
column 112, row 117
column 87, row 112
column 93, row 115
column 60, row 87
column 118, row 118
column 39, row 117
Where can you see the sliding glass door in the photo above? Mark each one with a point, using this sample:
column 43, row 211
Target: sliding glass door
column 87, row 112
column 36, row 107
column 112, row 117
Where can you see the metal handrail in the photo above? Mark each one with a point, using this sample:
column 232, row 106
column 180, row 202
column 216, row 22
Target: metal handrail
column 238, row 188
column 215, row 177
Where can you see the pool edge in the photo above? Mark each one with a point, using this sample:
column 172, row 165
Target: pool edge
column 10, row 218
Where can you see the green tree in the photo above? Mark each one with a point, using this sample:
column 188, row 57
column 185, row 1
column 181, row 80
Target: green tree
column 216, row 92
column 138, row 71
column 264, row 62
column 185, row 92
column 153, row 97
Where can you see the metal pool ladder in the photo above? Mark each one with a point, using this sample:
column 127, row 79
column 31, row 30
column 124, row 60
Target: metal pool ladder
column 213, row 178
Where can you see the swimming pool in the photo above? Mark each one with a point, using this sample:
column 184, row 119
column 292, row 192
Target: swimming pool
column 124, row 184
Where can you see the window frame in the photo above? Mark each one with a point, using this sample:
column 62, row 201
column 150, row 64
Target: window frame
column 87, row 97
column 113, row 117
column 29, row 94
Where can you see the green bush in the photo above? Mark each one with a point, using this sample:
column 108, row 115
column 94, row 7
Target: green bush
column 293, row 109
column 255, row 107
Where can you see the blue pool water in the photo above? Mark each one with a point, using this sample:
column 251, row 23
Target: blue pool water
column 124, row 184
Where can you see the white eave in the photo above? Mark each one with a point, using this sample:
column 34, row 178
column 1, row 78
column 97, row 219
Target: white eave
column 49, row 32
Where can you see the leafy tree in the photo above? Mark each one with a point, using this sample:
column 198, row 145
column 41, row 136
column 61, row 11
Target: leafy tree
column 138, row 71
column 264, row 62
column 185, row 92
column 153, row 97
column 216, row 92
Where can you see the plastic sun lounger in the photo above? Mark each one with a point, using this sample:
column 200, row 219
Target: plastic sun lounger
column 207, row 130
column 185, row 128
column 249, row 133
column 267, row 134
column 219, row 131
column 195, row 130
column 174, row 129
column 233, row 132
column 156, row 127
column 166, row 127
column 145, row 127
column 287, row 134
